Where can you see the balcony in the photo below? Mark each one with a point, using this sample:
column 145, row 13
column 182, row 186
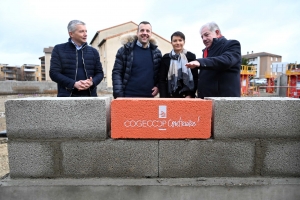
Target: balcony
column 11, row 79
column 29, row 75
column 29, row 70
column 8, row 71
column 10, row 76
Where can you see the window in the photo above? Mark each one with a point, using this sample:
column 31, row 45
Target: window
column 271, row 58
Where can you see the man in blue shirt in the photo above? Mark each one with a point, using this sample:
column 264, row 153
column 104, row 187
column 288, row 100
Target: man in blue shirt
column 75, row 66
column 135, row 72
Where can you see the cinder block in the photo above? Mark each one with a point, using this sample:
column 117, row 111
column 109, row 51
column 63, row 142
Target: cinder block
column 30, row 159
column 153, row 118
column 256, row 117
column 206, row 158
column 110, row 158
column 282, row 158
column 57, row 117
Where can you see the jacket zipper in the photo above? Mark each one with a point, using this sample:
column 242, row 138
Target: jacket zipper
column 85, row 70
column 76, row 68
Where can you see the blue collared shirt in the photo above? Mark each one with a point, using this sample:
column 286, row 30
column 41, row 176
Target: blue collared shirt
column 140, row 44
column 77, row 47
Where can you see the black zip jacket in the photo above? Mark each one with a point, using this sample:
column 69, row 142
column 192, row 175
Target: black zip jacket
column 64, row 65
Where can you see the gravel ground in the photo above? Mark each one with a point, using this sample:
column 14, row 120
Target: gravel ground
column 4, row 168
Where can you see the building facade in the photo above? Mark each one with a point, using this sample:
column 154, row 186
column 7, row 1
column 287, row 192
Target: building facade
column 45, row 64
column 263, row 62
column 43, row 72
column 8, row 72
column 27, row 72
column 31, row 72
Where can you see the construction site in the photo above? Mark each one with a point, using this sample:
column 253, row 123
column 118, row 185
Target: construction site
column 239, row 156
column 283, row 82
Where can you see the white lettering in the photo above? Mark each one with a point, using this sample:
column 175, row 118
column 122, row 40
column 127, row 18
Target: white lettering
column 181, row 123
column 161, row 123
column 144, row 123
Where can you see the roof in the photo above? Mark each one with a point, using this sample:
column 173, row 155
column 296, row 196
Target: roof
column 11, row 66
column 113, row 36
column 125, row 32
column 30, row 65
column 117, row 26
column 48, row 50
column 254, row 55
column 110, row 28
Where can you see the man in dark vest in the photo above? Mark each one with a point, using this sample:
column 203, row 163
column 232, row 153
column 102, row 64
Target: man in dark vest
column 135, row 72
column 75, row 66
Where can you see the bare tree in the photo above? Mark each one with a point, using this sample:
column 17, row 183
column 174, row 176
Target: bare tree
column 29, row 77
column 20, row 75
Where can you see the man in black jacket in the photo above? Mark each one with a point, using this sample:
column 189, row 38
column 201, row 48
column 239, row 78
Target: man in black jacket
column 75, row 66
column 220, row 66
column 135, row 72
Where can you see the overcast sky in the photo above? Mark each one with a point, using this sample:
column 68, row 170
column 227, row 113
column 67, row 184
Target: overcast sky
column 28, row 26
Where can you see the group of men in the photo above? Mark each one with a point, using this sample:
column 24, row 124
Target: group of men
column 77, row 70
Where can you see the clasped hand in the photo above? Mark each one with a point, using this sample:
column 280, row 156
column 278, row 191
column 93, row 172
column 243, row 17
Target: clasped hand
column 84, row 84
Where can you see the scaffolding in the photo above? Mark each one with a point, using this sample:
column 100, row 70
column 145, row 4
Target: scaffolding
column 293, row 73
column 270, row 76
column 246, row 73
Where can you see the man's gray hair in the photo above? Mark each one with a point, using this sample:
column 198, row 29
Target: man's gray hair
column 212, row 26
column 72, row 25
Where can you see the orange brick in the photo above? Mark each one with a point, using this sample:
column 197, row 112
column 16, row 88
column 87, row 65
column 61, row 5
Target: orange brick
column 161, row 118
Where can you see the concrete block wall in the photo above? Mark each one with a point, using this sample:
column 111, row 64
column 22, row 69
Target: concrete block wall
column 52, row 118
column 36, row 87
column 74, row 149
column 256, row 117
column 272, row 123
column 39, row 129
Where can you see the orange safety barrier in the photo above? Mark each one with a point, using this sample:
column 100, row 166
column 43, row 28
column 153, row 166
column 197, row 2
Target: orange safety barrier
column 293, row 74
column 245, row 74
column 244, row 85
column 294, row 91
column 270, row 82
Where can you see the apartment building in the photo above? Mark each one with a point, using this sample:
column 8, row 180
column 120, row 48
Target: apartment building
column 8, row 72
column 263, row 62
column 107, row 42
column 48, row 52
column 43, row 71
column 45, row 64
column 31, row 72
column 26, row 72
